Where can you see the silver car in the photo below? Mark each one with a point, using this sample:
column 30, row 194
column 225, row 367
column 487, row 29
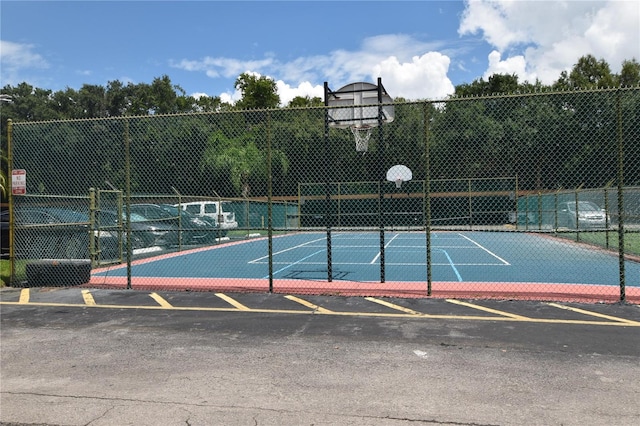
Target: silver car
column 582, row 215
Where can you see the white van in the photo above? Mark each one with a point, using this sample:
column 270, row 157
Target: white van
column 213, row 210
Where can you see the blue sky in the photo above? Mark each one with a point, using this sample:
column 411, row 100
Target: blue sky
column 421, row 49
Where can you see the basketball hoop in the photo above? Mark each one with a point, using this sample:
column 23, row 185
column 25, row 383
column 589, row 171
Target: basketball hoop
column 359, row 107
column 362, row 135
column 399, row 174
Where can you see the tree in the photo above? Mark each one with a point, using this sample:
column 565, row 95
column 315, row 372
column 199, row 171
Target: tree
column 305, row 102
column 257, row 92
column 587, row 73
column 235, row 159
column 630, row 73
column 209, row 104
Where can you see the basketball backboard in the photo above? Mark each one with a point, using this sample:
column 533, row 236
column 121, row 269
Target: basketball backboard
column 398, row 174
column 356, row 105
column 359, row 107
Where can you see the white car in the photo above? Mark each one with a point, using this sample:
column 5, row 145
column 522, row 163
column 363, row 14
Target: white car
column 588, row 215
column 215, row 210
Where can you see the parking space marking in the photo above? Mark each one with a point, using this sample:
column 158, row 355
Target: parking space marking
column 400, row 311
column 232, row 302
column 315, row 308
column 485, row 309
column 161, row 301
column 88, row 298
column 594, row 314
column 24, row 296
column 394, row 306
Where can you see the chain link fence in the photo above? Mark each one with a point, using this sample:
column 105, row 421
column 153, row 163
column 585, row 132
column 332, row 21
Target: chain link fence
column 533, row 196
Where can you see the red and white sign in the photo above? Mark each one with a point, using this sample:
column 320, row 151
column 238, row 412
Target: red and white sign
column 18, row 182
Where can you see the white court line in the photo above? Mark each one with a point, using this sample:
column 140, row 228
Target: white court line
column 377, row 256
column 286, row 250
column 309, row 244
column 485, row 249
column 387, row 263
column 289, row 265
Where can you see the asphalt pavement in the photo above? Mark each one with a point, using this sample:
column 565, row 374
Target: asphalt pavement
column 74, row 356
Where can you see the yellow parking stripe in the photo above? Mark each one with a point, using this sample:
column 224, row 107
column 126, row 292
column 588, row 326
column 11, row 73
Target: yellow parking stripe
column 593, row 314
column 393, row 306
column 161, row 301
column 88, row 298
column 232, row 302
column 485, row 309
column 346, row 313
column 315, row 308
column 24, row 296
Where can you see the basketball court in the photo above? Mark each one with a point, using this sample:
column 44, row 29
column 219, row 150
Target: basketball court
column 463, row 264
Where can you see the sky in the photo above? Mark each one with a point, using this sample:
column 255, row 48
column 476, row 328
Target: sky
column 420, row 49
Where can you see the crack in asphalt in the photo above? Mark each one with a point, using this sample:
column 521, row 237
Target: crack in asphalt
column 403, row 419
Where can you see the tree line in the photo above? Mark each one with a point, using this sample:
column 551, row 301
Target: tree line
column 467, row 130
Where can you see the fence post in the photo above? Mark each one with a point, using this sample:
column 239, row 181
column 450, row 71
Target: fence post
column 427, row 194
column 381, row 177
column 12, row 259
column 620, row 152
column 606, row 215
column 93, row 229
column 555, row 211
column 539, row 210
column 470, row 204
column 269, row 202
column 577, row 213
column 127, row 191
column 327, row 169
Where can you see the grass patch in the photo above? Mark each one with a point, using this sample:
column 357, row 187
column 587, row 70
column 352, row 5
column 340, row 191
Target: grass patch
column 5, row 271
column 608, row 240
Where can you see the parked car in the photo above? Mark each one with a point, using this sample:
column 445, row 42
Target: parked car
column 581, row 215
column 144, row 233
column 202, row 229
column 214, row 210
column 193, row 229
column 54, row 233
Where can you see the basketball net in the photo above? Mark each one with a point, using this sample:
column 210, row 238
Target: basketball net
column 362, row 135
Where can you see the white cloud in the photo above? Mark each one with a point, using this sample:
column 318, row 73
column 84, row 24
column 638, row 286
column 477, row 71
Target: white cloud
column 409, row 68
column 231, row 97
column 16, row 57
column 425, row 77
column 542, row 39
column 221, row 67
column 512, row 65
column 305, row 88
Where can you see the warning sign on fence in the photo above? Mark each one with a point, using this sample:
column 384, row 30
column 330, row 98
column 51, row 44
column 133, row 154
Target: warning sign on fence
column 19, row 182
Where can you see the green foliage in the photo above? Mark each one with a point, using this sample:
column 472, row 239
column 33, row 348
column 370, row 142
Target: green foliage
column 630, row 73
column 225, row 150
column 305, row 102
column 587, row 73
column 237, row 159
column 257, row 92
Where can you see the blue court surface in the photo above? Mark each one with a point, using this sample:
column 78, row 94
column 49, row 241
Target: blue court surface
column 496, row 258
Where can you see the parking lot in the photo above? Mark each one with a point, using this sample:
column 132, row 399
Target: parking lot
column 79, row 356
column 606, row 315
